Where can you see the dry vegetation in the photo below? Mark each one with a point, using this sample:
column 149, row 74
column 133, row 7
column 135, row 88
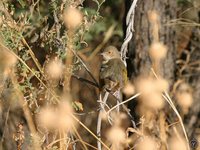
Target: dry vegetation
column 49, row 68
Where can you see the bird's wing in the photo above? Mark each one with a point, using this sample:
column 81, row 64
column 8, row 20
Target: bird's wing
column 114, row 70
column 106, row 70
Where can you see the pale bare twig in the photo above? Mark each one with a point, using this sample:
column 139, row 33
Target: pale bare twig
column 33, row 56
column 97, row 138
column 183, row 22
column 99, row 119
column 129, row 30
column 85, row 144
column 55, row 141
column 169, row 100
column 81, row 140
column 131, row 98
column 72, row 139
column 103, row 104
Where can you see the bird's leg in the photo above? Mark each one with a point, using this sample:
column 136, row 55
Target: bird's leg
column 111, row 86
column 118, row 95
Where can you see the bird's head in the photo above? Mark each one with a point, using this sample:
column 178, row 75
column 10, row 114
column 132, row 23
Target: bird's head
column 110, row 52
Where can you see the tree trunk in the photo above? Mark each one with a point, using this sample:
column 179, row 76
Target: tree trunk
column 139, row 62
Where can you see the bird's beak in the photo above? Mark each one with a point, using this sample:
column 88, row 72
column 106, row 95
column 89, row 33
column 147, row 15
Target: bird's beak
column 101, row 54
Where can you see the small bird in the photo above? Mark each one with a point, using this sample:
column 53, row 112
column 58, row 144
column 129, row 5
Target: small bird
column 113, row 73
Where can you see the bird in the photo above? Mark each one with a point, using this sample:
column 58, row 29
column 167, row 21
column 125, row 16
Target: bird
column 113, row 72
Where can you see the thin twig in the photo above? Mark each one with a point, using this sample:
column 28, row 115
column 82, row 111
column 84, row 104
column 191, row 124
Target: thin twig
column 55, row 141
column 87, row 69
column 182, row 21
column 73, row 143
column 76, row 119
column 85, row 80
column 81, row 140
column 129, row 30
column 103, row 104
column 33, row 56
column 126, row 110
column 169, row 100
column 179, row 117
column 99, row 120
column 131, row 98
column 85, row 144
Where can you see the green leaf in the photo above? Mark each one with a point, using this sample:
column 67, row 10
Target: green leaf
column 22, row 3
column 77, row 106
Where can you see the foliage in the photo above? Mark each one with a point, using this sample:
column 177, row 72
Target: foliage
column 35, row 33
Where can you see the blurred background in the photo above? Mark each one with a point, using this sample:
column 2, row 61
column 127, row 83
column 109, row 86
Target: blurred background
column 47, row 47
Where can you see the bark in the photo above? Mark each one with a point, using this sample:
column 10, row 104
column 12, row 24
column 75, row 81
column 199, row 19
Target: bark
column 139, row 61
